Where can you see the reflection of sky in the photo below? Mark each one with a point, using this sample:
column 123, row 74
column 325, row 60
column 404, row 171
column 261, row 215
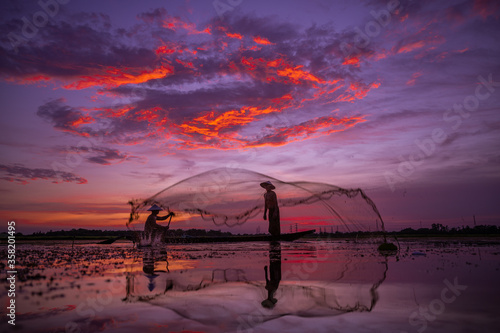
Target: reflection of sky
column 107, row 103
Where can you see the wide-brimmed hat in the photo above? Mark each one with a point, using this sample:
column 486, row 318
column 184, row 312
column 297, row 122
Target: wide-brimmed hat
column 266, row 184
column 155, row 207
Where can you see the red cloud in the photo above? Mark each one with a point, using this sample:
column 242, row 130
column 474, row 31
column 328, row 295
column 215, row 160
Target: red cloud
column 175, row 23
column 278, row 70
column 213, row 126
column 278, row 136
column 113, row 77
column 415, row 45
column 185, row 63
column 277, row 81
column 413, row 79
column 262, row 40
column 296, row 74
column 171, row 48
column 360, row 90
column 110, row 77
column 38, row 78
column 157, row 121
column 164, row 50
column 234, row 35
column 115, row 112
column 81, row 121
column 351, row 61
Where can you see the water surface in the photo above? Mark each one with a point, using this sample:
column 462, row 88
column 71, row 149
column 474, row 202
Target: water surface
column 315, row 286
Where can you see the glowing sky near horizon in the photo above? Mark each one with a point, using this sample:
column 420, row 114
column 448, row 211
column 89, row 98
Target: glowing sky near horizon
column 110, row 101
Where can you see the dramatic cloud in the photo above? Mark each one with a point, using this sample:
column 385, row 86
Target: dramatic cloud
column 192, row 86
column 330, row 91
column 101, row 155
column 65, row 118
column 21, row 174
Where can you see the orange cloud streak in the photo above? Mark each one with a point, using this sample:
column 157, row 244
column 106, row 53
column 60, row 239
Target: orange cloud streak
column 351, row 61
column 279, row 136
column 30, row 79
column 164, row 50
column 81, row 121
column 276, row 70
column 234, row 35
column 411, row 46
column 116, row 113
column 211, row 125
column 360, row 90
column 114, row 77
column 262, row 40
column 296, row 74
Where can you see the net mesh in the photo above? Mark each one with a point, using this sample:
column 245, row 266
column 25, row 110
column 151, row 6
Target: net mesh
column 232, row 197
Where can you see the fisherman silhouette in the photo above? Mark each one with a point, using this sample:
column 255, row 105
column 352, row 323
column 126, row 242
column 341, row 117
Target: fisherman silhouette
column 151, row 229
column 274, row 277
column 271, row 205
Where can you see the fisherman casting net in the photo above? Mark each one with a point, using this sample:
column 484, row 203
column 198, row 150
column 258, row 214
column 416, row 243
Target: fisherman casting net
column 233, row 197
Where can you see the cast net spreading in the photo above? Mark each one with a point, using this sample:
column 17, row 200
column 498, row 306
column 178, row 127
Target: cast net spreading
column 233, row 197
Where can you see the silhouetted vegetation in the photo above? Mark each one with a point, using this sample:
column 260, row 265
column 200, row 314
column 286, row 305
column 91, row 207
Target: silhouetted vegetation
column 100, row 234
column 439, row 229
column 436, row 229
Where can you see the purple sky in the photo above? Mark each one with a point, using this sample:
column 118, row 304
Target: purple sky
column 103, row 102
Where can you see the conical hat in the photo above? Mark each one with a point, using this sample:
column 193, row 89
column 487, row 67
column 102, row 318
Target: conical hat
column 155, row 207
column 266, row 184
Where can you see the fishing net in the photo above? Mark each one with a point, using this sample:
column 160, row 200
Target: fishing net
column 239, row 286
column 233, row 197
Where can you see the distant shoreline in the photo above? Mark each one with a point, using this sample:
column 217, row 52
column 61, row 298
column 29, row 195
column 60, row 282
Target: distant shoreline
column 29, row 238
column 437, row 231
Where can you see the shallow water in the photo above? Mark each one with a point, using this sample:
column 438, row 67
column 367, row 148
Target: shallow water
column 312, row 286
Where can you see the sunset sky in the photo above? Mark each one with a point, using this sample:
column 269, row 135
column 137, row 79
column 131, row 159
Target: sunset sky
column 107, row 101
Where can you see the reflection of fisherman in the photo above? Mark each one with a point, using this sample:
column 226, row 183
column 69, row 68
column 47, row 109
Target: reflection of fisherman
column 148, row 267
column 151, row 228
column 274, row 277
column 149, row 258
column 271, row 204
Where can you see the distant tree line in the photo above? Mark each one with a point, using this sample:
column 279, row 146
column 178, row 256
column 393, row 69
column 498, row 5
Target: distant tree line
column 439, row 229
column 115, row 233
column 436, row 229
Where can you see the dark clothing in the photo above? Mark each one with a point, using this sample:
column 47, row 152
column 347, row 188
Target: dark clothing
column 274, row 221
column 152, row 229
column 271, row 202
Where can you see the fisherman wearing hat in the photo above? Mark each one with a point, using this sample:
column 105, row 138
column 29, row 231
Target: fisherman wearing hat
column 151, row 228
column 271, row 204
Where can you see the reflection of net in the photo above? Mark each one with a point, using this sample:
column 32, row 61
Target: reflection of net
column 228, row 196
column 335, row 280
